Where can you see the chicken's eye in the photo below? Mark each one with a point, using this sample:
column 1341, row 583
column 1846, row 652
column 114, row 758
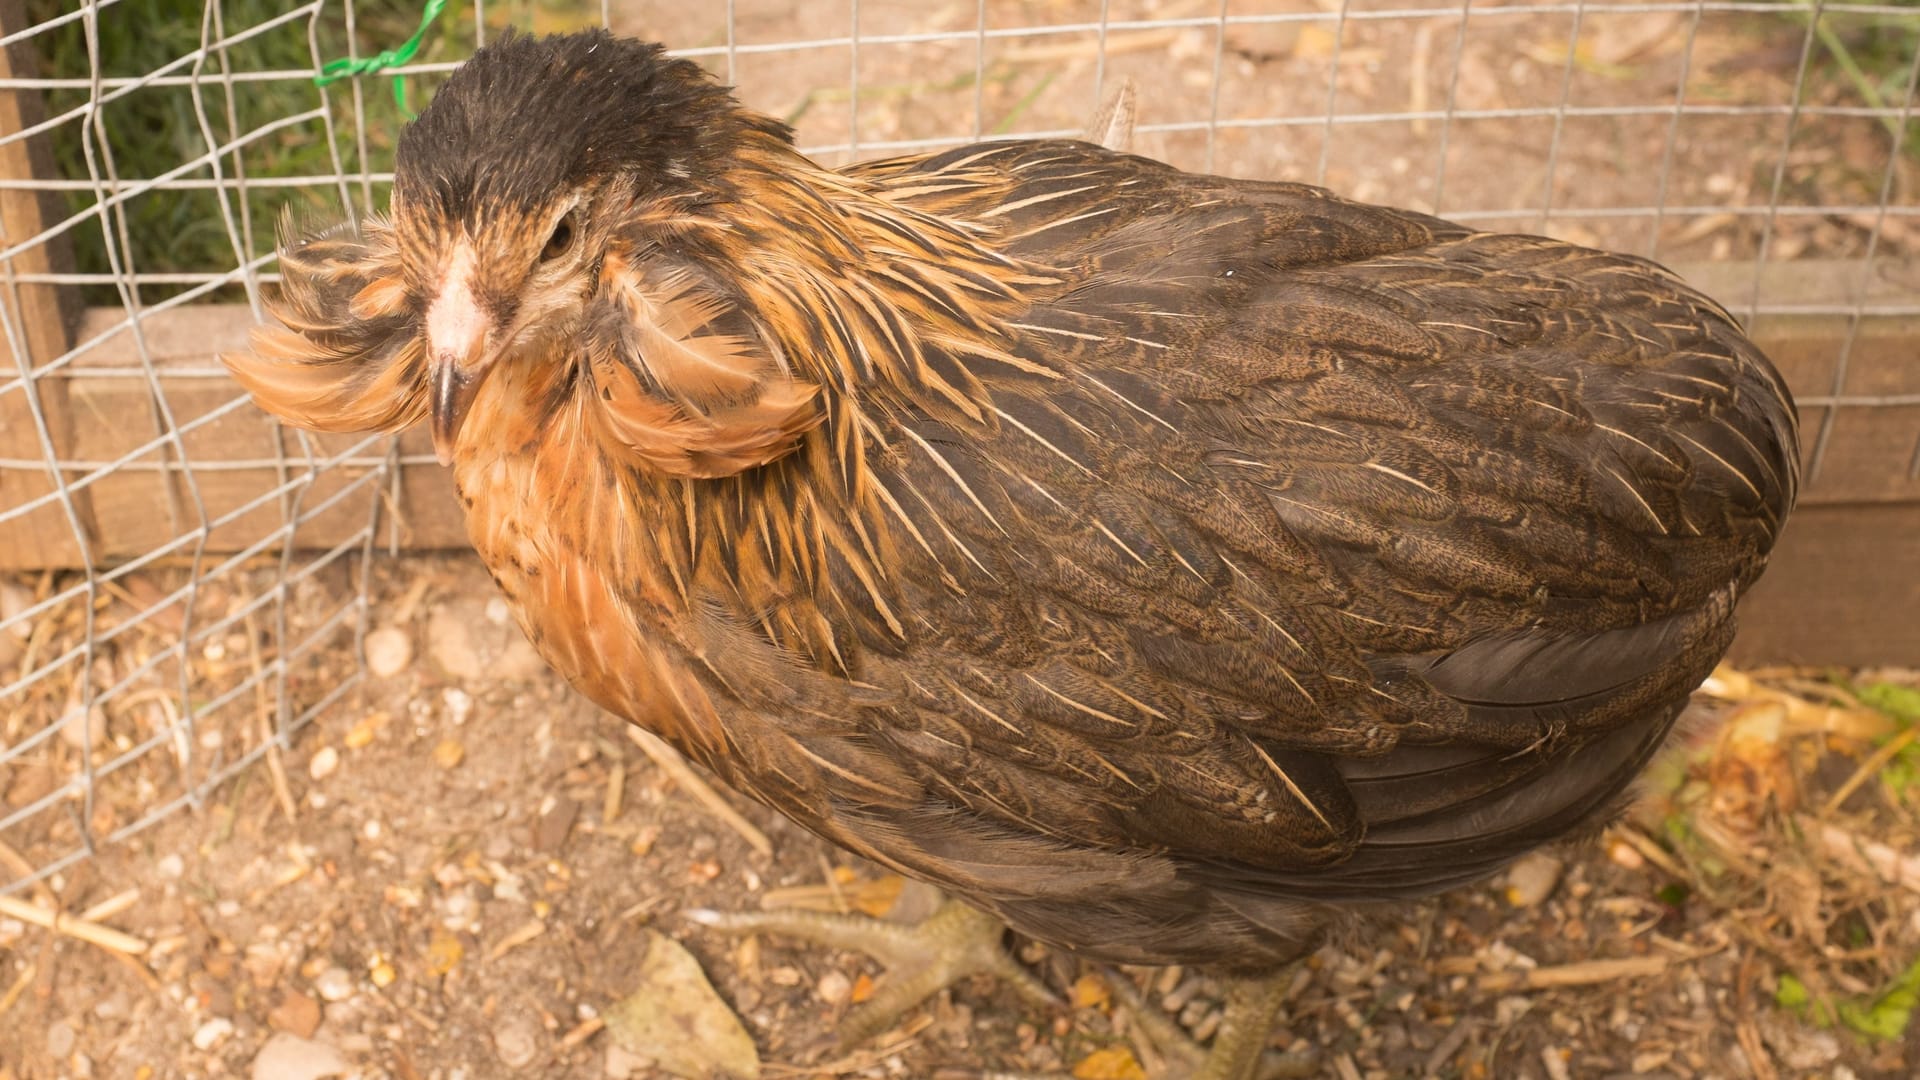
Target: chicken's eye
column 560, row 241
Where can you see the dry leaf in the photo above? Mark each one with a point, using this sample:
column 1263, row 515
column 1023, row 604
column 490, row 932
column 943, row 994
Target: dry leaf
column 1090, row 991
column 674, row 1019
column 443, row 952
column 448, row 753
column 1113, row 1063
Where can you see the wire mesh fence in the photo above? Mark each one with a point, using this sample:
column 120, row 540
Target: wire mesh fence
column 183, row 584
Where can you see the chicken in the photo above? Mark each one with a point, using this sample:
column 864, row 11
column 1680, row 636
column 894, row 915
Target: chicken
column 1160, row 563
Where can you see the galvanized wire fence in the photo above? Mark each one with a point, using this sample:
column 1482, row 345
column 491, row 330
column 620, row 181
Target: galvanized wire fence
column 184, row 585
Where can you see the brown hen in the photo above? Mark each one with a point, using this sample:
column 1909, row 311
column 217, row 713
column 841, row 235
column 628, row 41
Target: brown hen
column 1159, row 562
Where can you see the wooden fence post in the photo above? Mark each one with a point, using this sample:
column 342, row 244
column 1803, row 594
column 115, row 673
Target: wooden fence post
column 43, row 316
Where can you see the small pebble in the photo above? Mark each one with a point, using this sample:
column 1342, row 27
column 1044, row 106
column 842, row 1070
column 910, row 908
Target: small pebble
column 60, row 1040
column 459, row 704
column 833, row 988
column 1625, row 854
column 297, row 1014
column 14, row 599
column 516, row 1041
column 81, row 733
column 460, row 912
column 212, row 1033
column 451, row 644
column 334, row 984
column 1532, row 879
column 498, row 612
column 389, row 651
column 555, row 822
column 325, row 760
column 290, row 1057
column 448, row 753
column 32, row 780
column 172, row 866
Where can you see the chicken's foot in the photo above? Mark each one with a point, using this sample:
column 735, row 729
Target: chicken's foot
column 1239, row 1047
column 955, row 942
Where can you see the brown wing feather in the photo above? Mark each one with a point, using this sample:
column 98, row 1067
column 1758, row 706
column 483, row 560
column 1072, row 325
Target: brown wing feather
column 1357, row 554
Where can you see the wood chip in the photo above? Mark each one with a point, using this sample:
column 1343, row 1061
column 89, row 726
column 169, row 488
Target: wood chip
column 526, row 932
column 1585, row 973
column 1871, row 856
column 676, row 767
column 111, row 906
column 60, row 923
column 616, row 789
column 584, row 1030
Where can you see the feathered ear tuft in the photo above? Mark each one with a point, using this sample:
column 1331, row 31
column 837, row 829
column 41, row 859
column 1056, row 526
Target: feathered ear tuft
column 682, row 384
column 348, row 355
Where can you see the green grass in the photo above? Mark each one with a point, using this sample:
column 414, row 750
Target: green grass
column 154, row 129
column 1870, row 59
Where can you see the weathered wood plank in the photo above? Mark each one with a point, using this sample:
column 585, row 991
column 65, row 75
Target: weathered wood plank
column 1842, row 590
column 37, row 319
column 236, row 453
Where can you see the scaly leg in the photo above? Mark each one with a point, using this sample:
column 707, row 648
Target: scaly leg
column 958, row 941
column 1239, row 1047
column 955, row 942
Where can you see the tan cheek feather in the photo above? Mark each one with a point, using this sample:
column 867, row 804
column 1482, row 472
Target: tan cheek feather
column 711, row 404
column 382, row 298
column 311, row 386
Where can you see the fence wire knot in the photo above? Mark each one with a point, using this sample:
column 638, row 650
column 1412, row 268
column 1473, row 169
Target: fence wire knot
column 347, row 66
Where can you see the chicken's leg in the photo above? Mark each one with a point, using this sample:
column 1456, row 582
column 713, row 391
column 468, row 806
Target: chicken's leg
column 1239, row 1047
column 958, row 941
column 955, row 942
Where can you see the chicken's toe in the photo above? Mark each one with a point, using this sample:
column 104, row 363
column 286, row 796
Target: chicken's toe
column 953, row 943
column 1239, row 1047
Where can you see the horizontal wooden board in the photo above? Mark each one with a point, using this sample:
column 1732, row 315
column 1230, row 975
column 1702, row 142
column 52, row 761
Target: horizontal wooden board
column 1843, row 589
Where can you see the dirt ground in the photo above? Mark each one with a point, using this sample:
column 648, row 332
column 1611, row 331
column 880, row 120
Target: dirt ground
column 455, row 873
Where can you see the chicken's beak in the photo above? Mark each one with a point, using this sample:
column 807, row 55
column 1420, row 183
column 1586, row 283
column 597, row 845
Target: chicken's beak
column 462, row 347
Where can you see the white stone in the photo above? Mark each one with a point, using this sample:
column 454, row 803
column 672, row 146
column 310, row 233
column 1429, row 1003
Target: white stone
column 389, row 651
column 451, row 644
column 834, row 988
column 81, row 733
column 459, row 704
column 290, row 1057
column 334, row 984
column 325, row 760
column 212, row 1033
column 60, row 1040
column 1532, row 879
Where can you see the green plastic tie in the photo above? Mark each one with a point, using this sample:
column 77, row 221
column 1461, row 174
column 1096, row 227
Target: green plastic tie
column 348, row 67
